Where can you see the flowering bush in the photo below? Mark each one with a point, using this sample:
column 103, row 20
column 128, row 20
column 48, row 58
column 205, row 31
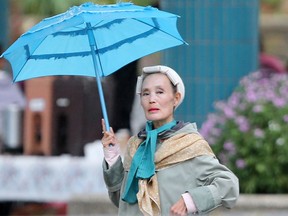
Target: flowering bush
column 249, row 132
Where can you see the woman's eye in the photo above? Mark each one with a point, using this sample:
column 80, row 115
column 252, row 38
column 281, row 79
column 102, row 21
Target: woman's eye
column 159, row 92
column 145, row 93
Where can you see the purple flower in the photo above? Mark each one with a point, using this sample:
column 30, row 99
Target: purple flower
column 216, row 131
column 219, row 105
column 211, row 140
column 279, row 102
column 257, row 108
column 270, row 95
column 242, row 106
column 258, row 133
column 285, row 118
column 223, row 158
column 242, row 123
column 208, row 125
column 230, row 147
column 240, row 163
column 251, row 96
column 229, row 113
column 234, row 100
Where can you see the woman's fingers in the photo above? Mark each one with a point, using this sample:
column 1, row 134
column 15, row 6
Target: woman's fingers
column 179, row 208
column 108, row 136
column 103, row 126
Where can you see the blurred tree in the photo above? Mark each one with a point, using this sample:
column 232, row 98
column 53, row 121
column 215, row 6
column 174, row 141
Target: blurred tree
column 49, row 8
column 270, row 6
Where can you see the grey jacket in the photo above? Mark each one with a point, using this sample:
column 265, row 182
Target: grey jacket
column 210, row 184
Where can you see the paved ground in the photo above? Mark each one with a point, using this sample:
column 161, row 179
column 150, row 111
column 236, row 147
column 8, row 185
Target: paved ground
column 247, row 205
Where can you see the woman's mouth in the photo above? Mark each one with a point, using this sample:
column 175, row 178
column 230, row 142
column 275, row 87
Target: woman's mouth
column 153, row 110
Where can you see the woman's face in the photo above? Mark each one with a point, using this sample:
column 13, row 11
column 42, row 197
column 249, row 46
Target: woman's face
column 158, row 99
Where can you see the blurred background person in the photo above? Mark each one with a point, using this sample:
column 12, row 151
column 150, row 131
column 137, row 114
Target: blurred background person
column 10, row 95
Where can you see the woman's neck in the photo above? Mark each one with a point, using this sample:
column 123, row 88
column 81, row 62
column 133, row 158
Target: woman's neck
column 157, row 124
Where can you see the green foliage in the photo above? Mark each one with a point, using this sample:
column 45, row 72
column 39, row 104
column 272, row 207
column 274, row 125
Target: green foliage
column 273, row 5
column 271, row 2
column 52, row 7
column 249, row 132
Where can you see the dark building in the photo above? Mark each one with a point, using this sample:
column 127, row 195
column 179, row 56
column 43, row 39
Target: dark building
column 62, row 115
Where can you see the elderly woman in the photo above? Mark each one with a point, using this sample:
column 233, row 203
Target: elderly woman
column 168, row 168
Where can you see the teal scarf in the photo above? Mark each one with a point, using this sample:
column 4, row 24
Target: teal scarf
column 142, row 165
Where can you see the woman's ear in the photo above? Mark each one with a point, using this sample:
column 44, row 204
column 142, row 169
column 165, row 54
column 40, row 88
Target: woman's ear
column 177, row 98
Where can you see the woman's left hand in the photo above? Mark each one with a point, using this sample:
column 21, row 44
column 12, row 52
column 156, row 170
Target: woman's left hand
column 179, row 208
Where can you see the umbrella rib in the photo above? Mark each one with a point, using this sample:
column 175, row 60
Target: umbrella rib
column 111, row 47
column 83, row 31
column 116, row 21
column 28, row 55
column 157, row 27
column 98, row 51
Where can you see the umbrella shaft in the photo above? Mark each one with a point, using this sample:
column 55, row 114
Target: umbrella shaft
column 93, row 45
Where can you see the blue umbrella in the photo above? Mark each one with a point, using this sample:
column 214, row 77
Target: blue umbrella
column 92, row 40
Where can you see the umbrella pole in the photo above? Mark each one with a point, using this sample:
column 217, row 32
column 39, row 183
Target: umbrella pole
column 99, row 84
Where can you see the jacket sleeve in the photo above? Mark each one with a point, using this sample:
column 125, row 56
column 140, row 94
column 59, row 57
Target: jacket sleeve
column 113, row 177
column 217, row 185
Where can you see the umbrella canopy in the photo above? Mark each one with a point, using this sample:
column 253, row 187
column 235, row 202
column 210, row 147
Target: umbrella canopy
column 92, row 40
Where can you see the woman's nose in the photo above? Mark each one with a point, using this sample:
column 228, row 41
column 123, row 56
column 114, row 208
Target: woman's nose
column 152, row 98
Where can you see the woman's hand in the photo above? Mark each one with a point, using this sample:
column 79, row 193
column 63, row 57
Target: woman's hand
column 179, row 208
column 111, row 147
column 108, row 136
